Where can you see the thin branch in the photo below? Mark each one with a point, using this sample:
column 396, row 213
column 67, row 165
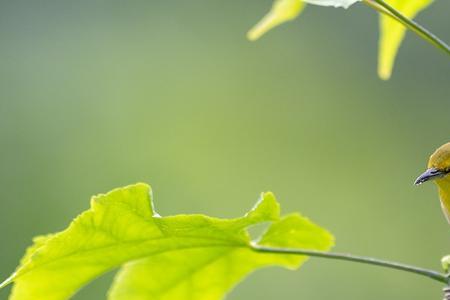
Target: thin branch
column 354, row 258
column 381, row 10
column 424, row 33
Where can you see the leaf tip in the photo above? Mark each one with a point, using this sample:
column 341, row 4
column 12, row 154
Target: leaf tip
column 282, row 11
column 140, row 187
column 261, row 28
column 137, row 195
column 385, row 66
column 251, row 35
column 266, row 209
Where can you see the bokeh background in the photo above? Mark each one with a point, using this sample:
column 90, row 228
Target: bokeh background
column 100, row 94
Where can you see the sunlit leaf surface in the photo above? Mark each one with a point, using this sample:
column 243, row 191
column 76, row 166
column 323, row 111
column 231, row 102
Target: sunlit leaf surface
column 175, row 257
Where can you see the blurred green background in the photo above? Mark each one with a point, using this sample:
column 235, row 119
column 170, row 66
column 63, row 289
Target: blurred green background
column 100, row 94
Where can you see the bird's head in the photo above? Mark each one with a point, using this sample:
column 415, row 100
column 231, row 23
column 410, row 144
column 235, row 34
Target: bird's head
column 438, row 166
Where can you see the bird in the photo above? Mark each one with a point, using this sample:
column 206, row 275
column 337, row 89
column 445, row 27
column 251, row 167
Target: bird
column 438, row 170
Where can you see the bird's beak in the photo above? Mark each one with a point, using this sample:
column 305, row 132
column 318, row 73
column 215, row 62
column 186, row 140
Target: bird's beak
column 430, row 174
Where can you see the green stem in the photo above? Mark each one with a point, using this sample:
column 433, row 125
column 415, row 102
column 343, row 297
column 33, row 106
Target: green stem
column 387, row 9
column 361, row 259
column 380, row 9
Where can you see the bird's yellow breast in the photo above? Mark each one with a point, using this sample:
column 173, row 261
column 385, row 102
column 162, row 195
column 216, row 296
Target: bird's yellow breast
column 444, row 195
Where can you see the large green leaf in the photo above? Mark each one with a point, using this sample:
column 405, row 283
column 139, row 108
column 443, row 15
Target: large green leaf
column 175, row 257
column 392, row 33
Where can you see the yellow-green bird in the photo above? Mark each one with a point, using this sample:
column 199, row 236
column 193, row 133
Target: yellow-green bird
column 439, row 171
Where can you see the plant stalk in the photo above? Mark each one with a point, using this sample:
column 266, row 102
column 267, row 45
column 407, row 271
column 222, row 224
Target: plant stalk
column 354, row 258
column 422, row 32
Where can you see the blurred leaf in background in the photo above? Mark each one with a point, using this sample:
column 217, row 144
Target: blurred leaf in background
column 391, row 31
column 282, row 11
